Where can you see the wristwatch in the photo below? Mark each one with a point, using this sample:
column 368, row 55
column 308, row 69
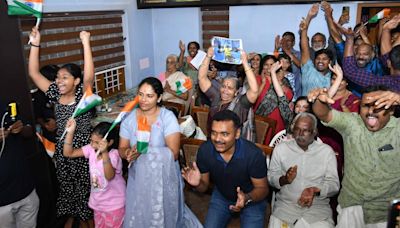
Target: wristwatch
column 247, row 199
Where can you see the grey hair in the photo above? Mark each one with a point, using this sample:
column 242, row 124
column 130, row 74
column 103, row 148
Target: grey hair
column 172, row 56
column 302, row 115
column 235, row 79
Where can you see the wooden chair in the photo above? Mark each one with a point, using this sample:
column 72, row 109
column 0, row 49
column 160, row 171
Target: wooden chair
column 180, row 108
column 190, row 147
column 200, row 116
column 263, row 125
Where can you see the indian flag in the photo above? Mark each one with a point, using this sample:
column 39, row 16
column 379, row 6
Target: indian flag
column 143, row 135
column 124, row 112
column 48, row 145
column 183, row 85
column 25, row 7
column 87, row 102
column 381, row 14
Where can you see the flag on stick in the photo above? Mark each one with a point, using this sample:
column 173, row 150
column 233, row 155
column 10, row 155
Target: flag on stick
column 183, row 85
column 25, row 7
column 381, row 14
column 87, row 102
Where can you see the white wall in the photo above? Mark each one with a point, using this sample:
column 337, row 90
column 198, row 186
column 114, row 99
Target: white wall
column 258, row 25
column 170, row 26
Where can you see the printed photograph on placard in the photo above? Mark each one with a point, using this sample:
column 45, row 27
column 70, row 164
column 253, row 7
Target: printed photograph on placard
column 227, row 50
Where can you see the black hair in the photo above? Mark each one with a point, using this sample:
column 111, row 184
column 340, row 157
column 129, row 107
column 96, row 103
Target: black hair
column 326, row 52
column 305, row 99
column 155, row 83
column 285, row 56
column 374, row 88
column 74, row 70
column 264, row 59
column 195, row 44
column 101, row 130
column 227, row 115
column 394, row 56
column 289, row 34
column 50, row 71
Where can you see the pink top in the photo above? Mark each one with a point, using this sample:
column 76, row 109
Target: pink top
column 105, row 195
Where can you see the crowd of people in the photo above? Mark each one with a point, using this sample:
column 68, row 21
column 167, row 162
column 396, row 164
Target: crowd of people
column 336, row 99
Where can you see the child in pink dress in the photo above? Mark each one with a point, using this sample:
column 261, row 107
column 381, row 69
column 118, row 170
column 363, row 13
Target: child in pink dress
column 107, row 195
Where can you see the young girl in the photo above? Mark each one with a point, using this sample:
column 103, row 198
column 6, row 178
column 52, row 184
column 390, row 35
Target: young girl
column 65, row 93
column 107, row 195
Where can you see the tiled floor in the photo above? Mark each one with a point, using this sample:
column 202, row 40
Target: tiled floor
column 198, row 202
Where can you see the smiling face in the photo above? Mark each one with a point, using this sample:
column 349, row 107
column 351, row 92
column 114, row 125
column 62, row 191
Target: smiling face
column 267, row 67
column 301, row 106
column 364, row 55
column 172, row 64
column 322, row 62
column 66, row 83
column 288, row 42
column 255, row 62
column 224, row 135
column 318, row 42
column 374, row 119
column 285, row 64
column 147, row 97
column 192, row 49
column 228, row 90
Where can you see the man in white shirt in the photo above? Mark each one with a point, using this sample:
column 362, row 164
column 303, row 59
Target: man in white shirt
column 305, row 172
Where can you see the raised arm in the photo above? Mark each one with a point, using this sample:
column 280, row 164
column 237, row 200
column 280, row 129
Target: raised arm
column 204, row 81
column 88, row 71
column 33, row 64
column 68, row 150
column 321, row 99
column 277, row 86
column 386, row 44
column 304, row 43
column 333, row 31
column 336, row 69
column 252, row 92
column 349, row 47
column 181, row 54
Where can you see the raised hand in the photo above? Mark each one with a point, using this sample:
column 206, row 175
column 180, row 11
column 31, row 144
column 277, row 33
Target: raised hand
column 313, row 11
column 321, row 94
column 34, row 36
column 192, row 175
column 326, row 7
column 243, row 57
column 181, row 46
column 210, row 52
column 303, row 25
column 103, row 144
column 384, row 99
column 275, row 67
column 240, row 202
column 84, row 36
column 278, row 42
column 392, row 23
column 307, row 196
column 336, row 69
column 71, row 125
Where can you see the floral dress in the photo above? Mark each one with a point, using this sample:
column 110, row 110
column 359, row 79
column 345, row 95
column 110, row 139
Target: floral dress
column 72, row 173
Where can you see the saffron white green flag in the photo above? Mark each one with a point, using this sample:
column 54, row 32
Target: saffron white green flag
column 183, row 85
column 124, row 112
column 381, row 14
column 25, row 7
column 87, row 102
column 143, row 134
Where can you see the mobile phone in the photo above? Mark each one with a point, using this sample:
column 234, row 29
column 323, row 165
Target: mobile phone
column 394, row 214
column 345, row 10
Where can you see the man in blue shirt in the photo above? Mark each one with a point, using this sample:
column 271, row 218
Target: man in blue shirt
column 238, row 169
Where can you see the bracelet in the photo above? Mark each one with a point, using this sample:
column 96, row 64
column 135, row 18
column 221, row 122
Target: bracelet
column 34, row 45
column 247, row 69
column 68, row 144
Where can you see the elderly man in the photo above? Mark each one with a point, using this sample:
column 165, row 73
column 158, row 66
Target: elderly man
column 305, row 172
column 227, row 96
column 372, row 155
column 237, row 168
column 314, row 74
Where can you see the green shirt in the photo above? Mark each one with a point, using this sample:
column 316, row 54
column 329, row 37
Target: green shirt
column 189, row 71
column 371, row 177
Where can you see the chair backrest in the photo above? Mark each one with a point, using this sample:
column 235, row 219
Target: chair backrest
column 200, row 116
column 279, row 137
column 180, row 108
column 263, row 124
column 267, row 150
column 190, row 148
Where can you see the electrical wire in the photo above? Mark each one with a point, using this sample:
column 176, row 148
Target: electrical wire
column 3, row 142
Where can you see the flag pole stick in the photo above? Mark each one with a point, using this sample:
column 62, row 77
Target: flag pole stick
column 105, row 137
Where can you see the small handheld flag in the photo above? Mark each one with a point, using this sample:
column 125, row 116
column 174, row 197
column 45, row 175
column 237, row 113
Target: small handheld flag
column 143, row 134
column 183, row 85
column 381, row 14
column 26, row 7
